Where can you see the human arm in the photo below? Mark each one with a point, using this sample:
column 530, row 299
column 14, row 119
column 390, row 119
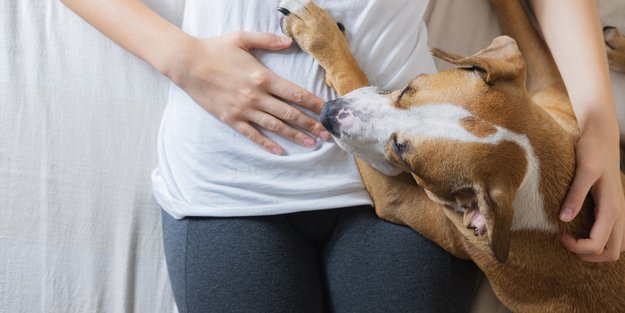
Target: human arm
column 572, row 31
column 218, row 73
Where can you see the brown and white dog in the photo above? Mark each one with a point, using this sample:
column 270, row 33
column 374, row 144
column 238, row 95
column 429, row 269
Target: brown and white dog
column 477, row 159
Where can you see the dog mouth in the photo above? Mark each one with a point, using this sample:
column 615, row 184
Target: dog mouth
column 473, row 219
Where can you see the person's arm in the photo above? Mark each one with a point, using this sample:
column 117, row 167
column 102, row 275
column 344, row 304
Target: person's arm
column 218, row 72
column 572, row 31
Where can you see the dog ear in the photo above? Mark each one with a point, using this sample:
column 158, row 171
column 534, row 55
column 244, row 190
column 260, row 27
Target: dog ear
column 496, row 207
column 501, row 60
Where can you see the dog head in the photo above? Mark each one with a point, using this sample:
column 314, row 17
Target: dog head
column 460, row 133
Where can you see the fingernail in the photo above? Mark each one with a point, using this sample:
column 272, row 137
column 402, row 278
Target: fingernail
column 285, row 40
column 309, row 142
column 324, row 135
column 277, row 151
column 566, row 215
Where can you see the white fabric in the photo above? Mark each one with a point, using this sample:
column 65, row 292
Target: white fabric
column 79, row 229
column 208, row 169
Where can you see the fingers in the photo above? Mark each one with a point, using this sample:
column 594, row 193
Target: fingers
column 265, row 111
column 267, row 80
column 260, row 40
column 284, row 89
column 254, row 135
column 243, row 121
column 582, row 182
column 247, row 96
column 594, row 248
column 295, row 94
column 273, row 124
column 605, row 242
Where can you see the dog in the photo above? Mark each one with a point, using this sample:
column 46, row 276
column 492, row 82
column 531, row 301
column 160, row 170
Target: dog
column 477, row 159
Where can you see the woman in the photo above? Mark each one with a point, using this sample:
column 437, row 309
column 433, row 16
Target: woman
column 291, row 229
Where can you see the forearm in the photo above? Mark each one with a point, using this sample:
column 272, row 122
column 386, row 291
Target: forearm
column 135, row 27
column 572, row 31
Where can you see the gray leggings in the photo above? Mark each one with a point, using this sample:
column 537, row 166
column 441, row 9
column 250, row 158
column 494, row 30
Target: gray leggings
column 339, row 260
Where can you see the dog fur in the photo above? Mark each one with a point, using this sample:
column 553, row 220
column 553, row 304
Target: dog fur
column 477, row 159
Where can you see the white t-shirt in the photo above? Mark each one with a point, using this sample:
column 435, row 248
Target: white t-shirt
column 208, row 169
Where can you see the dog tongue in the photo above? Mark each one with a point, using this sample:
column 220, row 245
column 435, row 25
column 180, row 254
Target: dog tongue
column 475, row 220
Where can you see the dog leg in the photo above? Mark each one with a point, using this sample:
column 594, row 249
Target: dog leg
column 615, row 47
column 319, row 35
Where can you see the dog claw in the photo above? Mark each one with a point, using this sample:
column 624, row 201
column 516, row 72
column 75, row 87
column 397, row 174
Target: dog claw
column 341, row 27
column 284, row 11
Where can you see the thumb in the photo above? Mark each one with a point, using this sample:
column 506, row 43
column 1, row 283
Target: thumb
column 577, row 194
column 261, row 40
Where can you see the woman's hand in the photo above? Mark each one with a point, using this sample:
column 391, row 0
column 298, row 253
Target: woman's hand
column 567, row 25
column 222, row 76
column 598, row 172
column 218, row 73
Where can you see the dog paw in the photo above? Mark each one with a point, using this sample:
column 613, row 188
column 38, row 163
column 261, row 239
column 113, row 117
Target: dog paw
column 615, row 47
column 312, row 27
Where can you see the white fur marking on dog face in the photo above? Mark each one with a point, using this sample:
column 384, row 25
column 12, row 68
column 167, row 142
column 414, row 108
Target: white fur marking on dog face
column 368, row 120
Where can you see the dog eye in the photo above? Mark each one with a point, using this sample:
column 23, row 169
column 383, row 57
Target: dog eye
column 405, row 91
column 479, row 71
column 475, row 69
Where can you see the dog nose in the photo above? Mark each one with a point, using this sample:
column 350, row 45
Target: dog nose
column 329, row 119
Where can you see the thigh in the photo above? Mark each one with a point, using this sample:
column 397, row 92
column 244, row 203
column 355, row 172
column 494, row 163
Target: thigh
column 250, row 264
column 375, row 266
